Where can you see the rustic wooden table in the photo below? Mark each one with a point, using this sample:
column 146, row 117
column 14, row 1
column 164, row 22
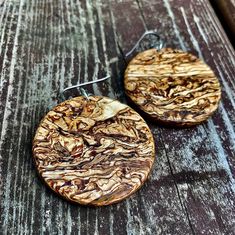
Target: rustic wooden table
column 48, row 45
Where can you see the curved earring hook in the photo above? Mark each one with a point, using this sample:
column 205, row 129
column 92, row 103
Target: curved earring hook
column 82, row 90
column 149, row 32
column 86, row 83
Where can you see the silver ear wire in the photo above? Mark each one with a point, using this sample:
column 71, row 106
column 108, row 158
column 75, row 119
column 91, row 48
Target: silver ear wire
column 82, row 90
column 159, row 45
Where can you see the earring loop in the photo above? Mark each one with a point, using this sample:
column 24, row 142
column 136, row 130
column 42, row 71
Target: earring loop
column 159, row 43
column 82, row 90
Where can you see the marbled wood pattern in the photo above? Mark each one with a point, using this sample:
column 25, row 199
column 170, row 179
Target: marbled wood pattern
column 172, row 86
column 93, row 152
column 48, row 45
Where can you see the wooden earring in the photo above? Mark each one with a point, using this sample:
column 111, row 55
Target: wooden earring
column 93, row 150
column 171, row 86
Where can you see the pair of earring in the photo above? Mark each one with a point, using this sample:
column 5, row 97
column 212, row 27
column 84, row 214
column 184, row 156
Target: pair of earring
column 97, row 151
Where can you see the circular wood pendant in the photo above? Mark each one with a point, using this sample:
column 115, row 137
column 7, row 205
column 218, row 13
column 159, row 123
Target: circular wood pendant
column 93, row 152
column 172, row 86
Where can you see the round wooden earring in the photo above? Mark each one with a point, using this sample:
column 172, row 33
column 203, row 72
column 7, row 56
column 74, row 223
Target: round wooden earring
column 172, row 86
column 94, row 151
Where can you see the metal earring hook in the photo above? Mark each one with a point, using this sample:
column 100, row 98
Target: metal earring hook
column 82, row 90
column 158, row 46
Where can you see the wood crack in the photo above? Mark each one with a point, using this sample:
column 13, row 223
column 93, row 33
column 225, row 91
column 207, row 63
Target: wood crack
column 142, row 14
column 178, row 193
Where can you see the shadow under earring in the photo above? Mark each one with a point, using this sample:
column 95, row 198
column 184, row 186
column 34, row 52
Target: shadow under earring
column 171, row 86
column 93, row 150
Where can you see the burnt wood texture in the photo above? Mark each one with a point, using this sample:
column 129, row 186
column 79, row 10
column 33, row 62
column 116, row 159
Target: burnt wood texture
column 93, row 151
column 172, row 86
column 46, row 46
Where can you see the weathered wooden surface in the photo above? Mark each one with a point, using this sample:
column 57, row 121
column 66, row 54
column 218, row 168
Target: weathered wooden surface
column 48, row 45
column 225, row 10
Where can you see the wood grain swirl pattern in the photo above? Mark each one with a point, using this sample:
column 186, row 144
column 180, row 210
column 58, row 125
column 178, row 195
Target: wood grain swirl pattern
column 95, row 151
column 172, row 86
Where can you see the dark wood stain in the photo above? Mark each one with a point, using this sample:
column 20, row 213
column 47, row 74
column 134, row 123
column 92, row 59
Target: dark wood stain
column 226, row 14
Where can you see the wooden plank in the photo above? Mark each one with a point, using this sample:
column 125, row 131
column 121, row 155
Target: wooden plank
column 226, row 13
column 48, row 45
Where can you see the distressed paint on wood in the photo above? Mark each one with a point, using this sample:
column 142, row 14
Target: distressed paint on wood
column 48, row 45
